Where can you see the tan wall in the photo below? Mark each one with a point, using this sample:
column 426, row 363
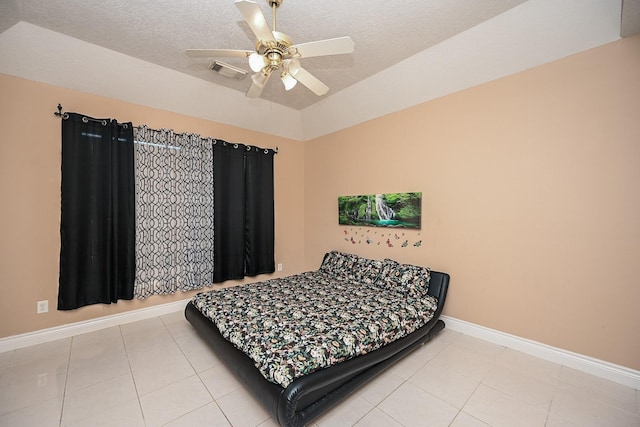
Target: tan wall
column 531, row 199
column 30, row 196
column 529, row 186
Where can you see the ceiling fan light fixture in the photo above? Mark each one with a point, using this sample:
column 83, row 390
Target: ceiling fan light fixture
column 288, row 81
column 292, row 66
column 257, row 62
column 275, row 51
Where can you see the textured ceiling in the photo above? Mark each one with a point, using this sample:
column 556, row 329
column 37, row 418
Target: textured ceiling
column 384, row 32
column 405, row 52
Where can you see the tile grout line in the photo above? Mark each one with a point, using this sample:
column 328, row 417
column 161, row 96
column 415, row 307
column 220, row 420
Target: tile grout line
column 556, row 387
column 135, row 385
column 196, row 374
column 66, row 381
column 405, row 381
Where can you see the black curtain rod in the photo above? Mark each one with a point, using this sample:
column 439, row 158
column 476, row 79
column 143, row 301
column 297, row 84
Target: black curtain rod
column 62, row 115
column 85, row 119
column 59, row 112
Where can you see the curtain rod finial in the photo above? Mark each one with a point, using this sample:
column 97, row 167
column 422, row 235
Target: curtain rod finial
column 59, row 112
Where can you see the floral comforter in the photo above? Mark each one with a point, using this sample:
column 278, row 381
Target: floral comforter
column 295, row 325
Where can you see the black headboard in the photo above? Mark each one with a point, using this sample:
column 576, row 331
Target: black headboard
column 438, row 285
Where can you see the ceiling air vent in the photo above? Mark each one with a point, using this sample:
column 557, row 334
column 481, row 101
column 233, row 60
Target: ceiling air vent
column 228, row 70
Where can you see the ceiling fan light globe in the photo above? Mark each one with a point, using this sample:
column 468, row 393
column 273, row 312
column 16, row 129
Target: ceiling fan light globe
column 257, row 62
column 288, row 81
column 293, row 65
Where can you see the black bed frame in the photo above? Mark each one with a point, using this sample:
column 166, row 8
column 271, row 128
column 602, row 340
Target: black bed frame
column 308, row 397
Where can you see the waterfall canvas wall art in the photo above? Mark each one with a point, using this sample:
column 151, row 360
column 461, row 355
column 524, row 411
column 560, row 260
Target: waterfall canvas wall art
column 398, row 210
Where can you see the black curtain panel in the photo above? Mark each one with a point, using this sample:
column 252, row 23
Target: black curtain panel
column 97, row 222
column 259, row 224
column 228, row 211
column 243, row 211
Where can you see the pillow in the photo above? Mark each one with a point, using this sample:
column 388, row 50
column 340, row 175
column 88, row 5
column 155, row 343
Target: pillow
column 387, row 275
column 338, row 264
column 367, row 270
column 411, row 278
column 416, row 279
column 390, row 274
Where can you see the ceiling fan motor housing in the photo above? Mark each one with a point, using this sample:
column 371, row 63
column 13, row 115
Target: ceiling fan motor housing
column 276, row 52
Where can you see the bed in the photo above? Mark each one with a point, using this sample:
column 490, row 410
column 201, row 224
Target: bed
column 300, row 344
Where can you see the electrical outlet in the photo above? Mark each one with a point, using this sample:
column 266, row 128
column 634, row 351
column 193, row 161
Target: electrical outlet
column 279, row 267
column 43, row 306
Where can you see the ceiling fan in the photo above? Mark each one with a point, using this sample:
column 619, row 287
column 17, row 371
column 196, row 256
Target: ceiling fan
column 275, row 52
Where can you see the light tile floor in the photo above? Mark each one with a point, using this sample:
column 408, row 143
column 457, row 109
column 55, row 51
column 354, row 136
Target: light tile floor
column 158, row 372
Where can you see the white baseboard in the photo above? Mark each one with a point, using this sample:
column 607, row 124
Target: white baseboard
column 65, row 331
column 619, row 374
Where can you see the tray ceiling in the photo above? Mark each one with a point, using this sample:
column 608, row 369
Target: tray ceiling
column 386, row 34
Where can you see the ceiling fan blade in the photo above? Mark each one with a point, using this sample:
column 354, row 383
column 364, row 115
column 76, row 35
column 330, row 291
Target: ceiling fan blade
column 252, row 13
column 229, row 53
column 258, row 82
column 254, row 91
column 307, row 79
column 335, row 46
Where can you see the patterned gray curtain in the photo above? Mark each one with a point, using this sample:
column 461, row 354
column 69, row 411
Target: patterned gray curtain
column 174, row 212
